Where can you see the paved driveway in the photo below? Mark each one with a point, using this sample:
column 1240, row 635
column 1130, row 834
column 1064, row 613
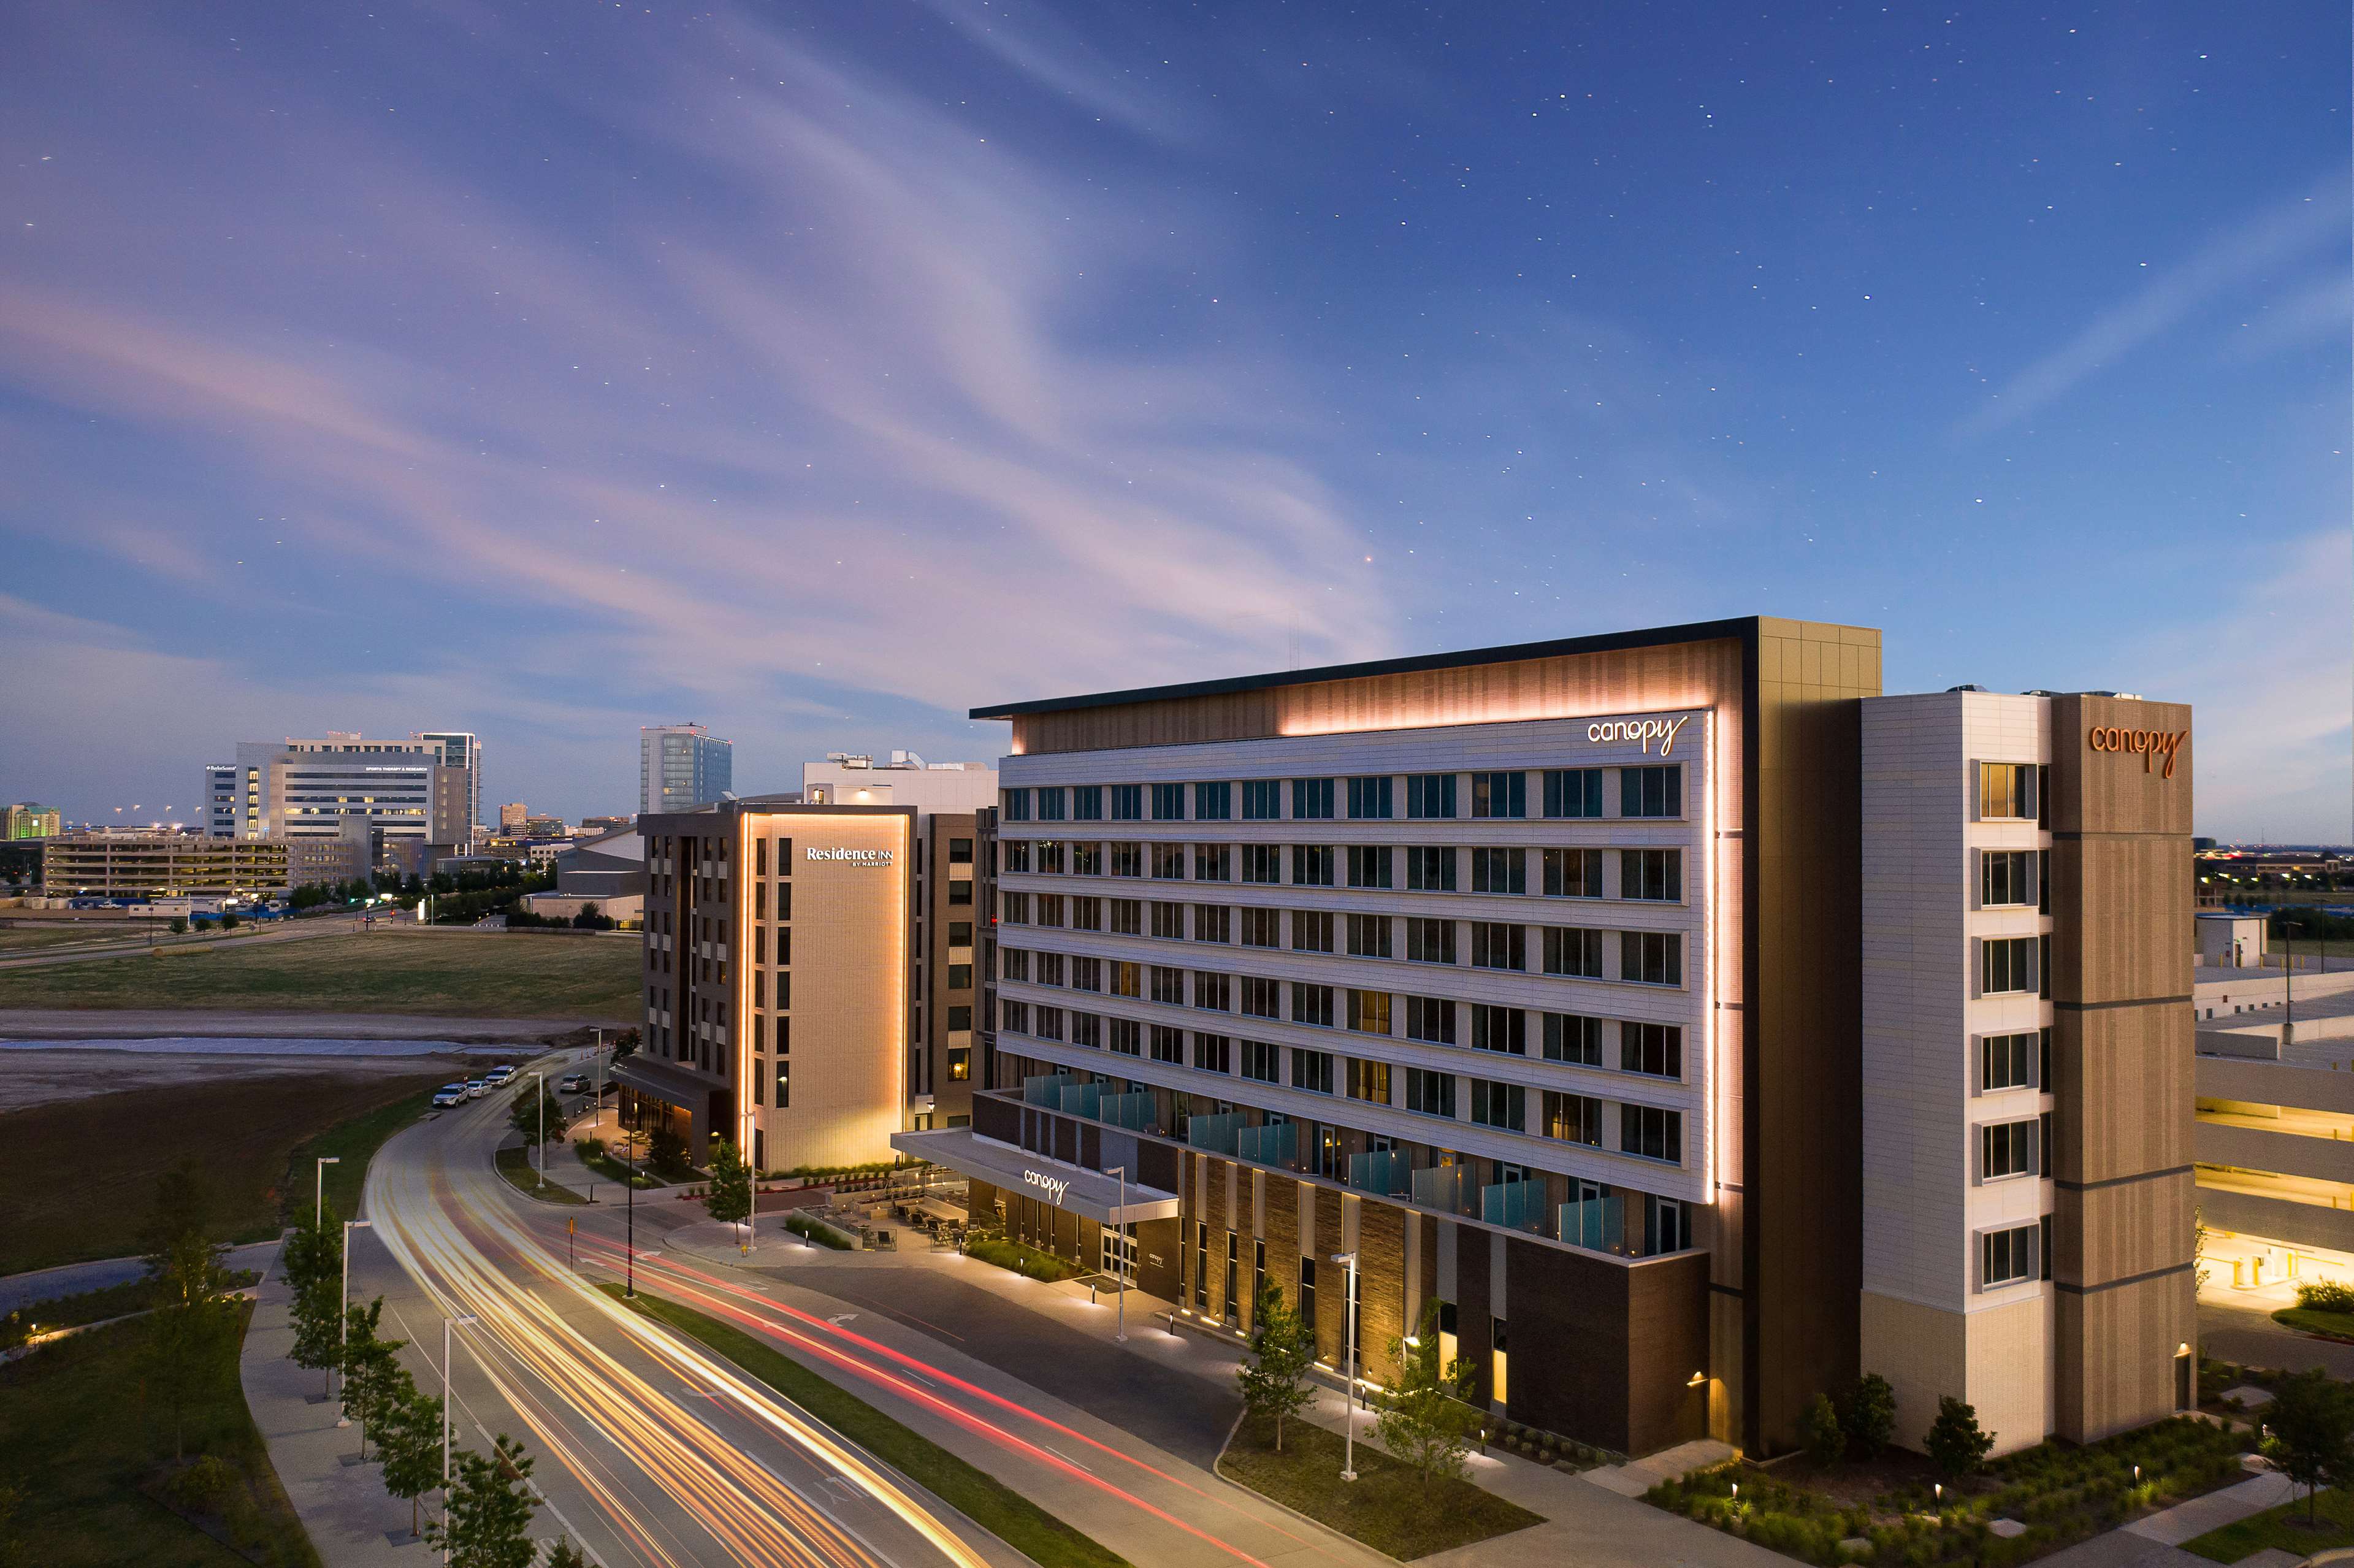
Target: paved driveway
column 2249, row 1337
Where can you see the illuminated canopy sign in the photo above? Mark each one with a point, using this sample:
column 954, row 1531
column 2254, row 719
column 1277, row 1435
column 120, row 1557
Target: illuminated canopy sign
column 1644, row 730
column 2146, row 743
column 1049, row 1186
column 855, row 856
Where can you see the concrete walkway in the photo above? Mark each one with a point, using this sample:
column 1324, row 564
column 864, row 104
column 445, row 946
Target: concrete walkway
column 73, row 1279
column 2225, row 1505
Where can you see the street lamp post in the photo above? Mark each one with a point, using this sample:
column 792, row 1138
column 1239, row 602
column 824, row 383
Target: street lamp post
column 1120, row 1230
column 539, row 1155
column 446, row 1324
column 1348, row 1361
column 343, row 1318
column 319, row 1190
column 630, row 1288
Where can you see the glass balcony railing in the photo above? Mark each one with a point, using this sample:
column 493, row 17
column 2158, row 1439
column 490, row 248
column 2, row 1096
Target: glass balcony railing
column 1081, row 1099
column 1274, row 1144
column 1445, row 1188
column 1515, row 1205
column 1216, row 1134
column 1382, row 1171
column 1045, row 1089
column 1133, row 1111
column 1596, row 1223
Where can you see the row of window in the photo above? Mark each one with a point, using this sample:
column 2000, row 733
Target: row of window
column 1654, row 875
column 1564, row 793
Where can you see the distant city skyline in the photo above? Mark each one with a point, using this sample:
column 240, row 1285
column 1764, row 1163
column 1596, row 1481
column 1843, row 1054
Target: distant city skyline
column 823, row 373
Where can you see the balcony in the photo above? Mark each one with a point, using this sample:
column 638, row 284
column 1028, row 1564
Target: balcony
column 1515, row 1205
column 1218, row 1134
column 1382, row 1171
column 1276, row 1143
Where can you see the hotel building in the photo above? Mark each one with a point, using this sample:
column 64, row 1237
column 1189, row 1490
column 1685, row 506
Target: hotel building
column 1533, row 980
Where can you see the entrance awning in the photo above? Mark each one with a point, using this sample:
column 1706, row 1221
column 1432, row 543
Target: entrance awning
column 1073, row 1187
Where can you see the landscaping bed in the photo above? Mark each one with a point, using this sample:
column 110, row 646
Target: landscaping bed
column 818, row 1231
column 1388, row 1506
column 1020, row 1257
column 2062, row 1493
column 98, row 1306
column 595, row 1154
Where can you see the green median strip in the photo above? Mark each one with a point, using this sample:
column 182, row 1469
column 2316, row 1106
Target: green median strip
column 979, row 1496
column 1389, row 1507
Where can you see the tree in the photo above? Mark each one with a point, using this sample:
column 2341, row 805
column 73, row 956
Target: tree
column 1282, row 1348
column 178, row 1359
column 229, row 920
column 1819, row 1431
column 1955, row 1443
column 730, row 1198
column 1424, row 1422
column 2312, row 1423
column 179, row 926
column 564, row 1554
column 1867, row 1412
column 487, row 1521
column 534, row 1113
column 313, row 1250
column 408, row 1439
column 666, row 1150
column 373, row 1379
column 183, row 1206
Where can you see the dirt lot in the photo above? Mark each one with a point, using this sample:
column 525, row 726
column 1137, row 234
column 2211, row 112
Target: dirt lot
column 50, row 1074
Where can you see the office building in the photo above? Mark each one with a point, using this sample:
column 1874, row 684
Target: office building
column 29, row 820
column 512, row 817
column 2027, row 1060
column 161, row 865
column 810, row 962
column 1531, row 980
column 408, row 792
column 607, row 872
column 458, row 812
column 681, row 767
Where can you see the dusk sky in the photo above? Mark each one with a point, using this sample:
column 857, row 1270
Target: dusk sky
column 819, row 371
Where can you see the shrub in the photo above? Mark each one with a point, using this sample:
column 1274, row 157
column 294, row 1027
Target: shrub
column 1868, row 1412
column 2326, row 1296
column 1955, row 1443
column 1819, row 1431
column 589, row 1148
column 813, row 1230
column 205, row 1485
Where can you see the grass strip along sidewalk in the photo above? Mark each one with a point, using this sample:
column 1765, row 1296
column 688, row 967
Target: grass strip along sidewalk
column 979, row 1496
column 1387, row 1507
column 2283, row 1527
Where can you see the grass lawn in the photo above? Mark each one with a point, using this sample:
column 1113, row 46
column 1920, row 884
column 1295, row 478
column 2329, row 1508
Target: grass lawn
column 979, row 1497
column 80, row 1435
column 1387, row 1507
column 19, row 940
column 460, row 974
column 85, row 1169
column 2283, row 1527
column 2338, row 1325
column 110, row 1301
column 516, row 1165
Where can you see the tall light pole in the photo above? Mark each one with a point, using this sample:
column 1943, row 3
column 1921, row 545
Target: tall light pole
column 446, row 1324
column 319, row 1190
column 1348, row 1361
column 629, row 1285
column 343, row 1318
column 596, row 1066
column 539, row 1155
column 1120, row 1229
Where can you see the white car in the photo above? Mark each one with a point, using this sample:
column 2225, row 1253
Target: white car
column 477, row 1088
column 572, row 1083
column 500, row 1075
column 450, row 1095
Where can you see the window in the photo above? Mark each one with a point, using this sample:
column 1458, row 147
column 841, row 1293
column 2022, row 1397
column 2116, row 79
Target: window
column 2010, row 1256
column 1573, row 792
column 1050, row 1023
column 1311, row 798
column 1087, row 914
column 1500, row 794
column 1050, row 968
column 1429, row 868
column 1127, row 802
column 1050, row 856
column 1652, row 958
column 1369, row 800
column 1429, row 941
column 1087, row 802
column 1652, row 1132
column 1015, row 853
column 1652, row 791
column 960, row 977
column 1169, row 803
column 1656, row 1049
column 1656, row 875
column 1128, row 916
column 2006, row 964
column 959, row 852
column 1311, row 864
column 1369, row 1011
column 1571, row 1118
column 1369, row 1081
column 1431, row 1019
column 1168, row 985
column 1213, row 862
column 1017, row 805
column 1127, row 978
column 1306, row 1291
column 1212, row 1053
column 2006, row 877
column 2005, row 1061
column 1168, row 920
column 1050, row 909
column 1262, row 998
column 1087, row 1029
column 1497, row 946
column 1262, row 799
column 1573, row 1038
column 960, row 1065
column 1213, row 992
column 1213, row 802
column 1168, row 1045
column 1504, row 1106
column 1369, row 936
column 1499, row 871
column 1430, row 795
column 1312, row 1071
column 1212, row 923
column 1501, row 1029
column 1262, row 1062
column 1014, row 1016
column 959, row 892
column 784, row 1100
column 2005, row 1148
column 1311, row 930
column 1369, row 866
column 1432, row 1093
column 1311, row 1003
column 1128, row 858
column 1017, row 908
column 1127, row 1037
column 1573, row 874
column 1050, row 804
column 2005, row 789
column 1262, row 927
column 1086, row 860
column 1666, row 1224
column 1013, row 963
column 1263, row 863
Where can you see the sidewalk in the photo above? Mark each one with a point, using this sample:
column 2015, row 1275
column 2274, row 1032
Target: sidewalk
column 73, row 1279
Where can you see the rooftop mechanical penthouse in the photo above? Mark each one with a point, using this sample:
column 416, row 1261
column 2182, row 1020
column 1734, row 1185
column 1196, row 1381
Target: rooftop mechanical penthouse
column 1531, row 977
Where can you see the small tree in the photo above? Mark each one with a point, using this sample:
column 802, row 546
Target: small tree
column 1273, row 1382
column 2312, row 1425
column 177, row 1361
column 730, row 1198
column 229, row 920
column 179, row 925
column 373, row 1379
column 487, row 1522
column 1955, row 1443
column 534, row 1113
column 564, row 1554
column 182, row 1207
column 1869, row 1414
column 666, row 1152
column 1819, row 1431
column 313, row 1250
column 1424, row 1422
column 625, row 1044
column 408, row 1438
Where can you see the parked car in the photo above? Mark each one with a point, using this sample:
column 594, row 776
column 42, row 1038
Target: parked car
column 477, row 1088
column 450, row 1095
column 500, row 1075
column 572, row 1083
